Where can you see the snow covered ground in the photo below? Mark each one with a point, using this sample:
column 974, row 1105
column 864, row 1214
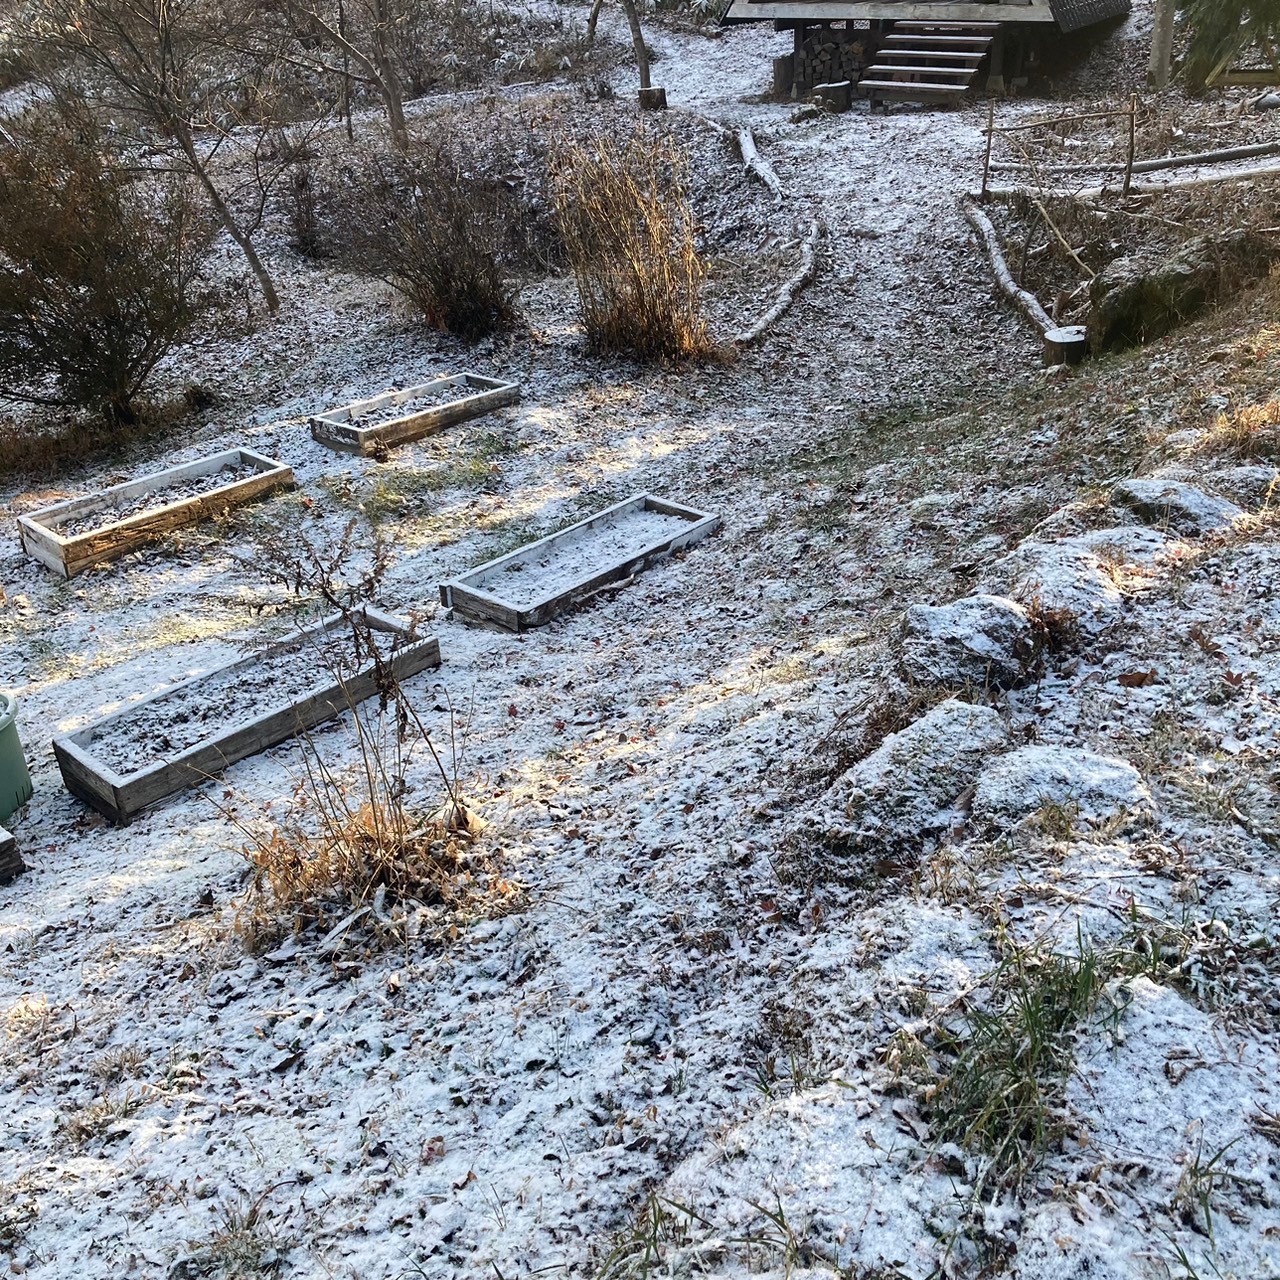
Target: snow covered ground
column 701, row 1031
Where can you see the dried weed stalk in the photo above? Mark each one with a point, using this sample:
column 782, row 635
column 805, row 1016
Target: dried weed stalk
column 630, row 236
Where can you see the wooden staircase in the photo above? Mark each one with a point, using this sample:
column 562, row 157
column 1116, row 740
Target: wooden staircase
column 930, row 62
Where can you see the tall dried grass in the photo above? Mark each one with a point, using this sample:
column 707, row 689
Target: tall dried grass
column 631, row 239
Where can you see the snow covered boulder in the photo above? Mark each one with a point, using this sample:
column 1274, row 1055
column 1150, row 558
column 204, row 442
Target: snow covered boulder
column 1060, row 576
column 1250, row 486
column 907, row 788
column 1077, row 575
column 1091, row 788
column 1180, row 506
column 981, row 640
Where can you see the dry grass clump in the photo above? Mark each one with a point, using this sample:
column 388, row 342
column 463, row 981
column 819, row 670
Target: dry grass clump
column 354, row 850
column 630, row 236
column 1250, row 432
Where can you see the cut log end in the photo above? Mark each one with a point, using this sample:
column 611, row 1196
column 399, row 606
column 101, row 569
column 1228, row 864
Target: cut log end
column 1067, row 345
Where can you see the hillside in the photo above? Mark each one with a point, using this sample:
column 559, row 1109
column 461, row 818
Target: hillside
column 799, row 940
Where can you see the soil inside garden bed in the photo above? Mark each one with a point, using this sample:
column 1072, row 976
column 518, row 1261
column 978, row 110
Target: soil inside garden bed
column 549, row 570
column 152, row 500
column 206, row 708
column 447, row 393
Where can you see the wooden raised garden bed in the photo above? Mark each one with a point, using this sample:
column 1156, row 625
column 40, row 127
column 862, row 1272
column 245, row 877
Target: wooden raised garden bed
column 531, row 585
column 11, row 863
column 71, row 536
column 395, row 417
column 185, row 734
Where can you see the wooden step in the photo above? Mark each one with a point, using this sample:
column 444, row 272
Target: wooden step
column 974, row 42
column 962, row 27
column 965, row 73
column 971, row 56
column 911, row 89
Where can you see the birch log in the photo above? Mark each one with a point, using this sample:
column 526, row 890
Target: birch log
column 757, row 164
column 789, row 291
column 1026, row 302
column 1254, row 174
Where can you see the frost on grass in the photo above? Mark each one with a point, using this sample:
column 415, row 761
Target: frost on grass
column 983, row 641
column 1175, row 1120
column 907, row 789
column 1078, row 784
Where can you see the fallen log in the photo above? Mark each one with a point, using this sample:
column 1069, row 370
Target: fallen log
column 757, row 164
column 1253, row 174
column 1144, row 166
column 789, row 291
column 1026, row 302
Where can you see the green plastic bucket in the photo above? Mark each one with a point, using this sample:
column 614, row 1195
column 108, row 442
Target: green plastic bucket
column 15, row 781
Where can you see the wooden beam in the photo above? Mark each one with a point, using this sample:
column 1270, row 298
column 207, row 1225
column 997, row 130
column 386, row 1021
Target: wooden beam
column 11, row 863
column 860, row 11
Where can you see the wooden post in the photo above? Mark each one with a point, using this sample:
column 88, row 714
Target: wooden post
column 986, row 163
column 1133, row 143
column 784, row 75
column 995, row 72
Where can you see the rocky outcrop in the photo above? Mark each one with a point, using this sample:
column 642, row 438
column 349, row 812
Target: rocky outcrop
column 1090, row 788
column 907, row 788
column 1175, row 505
column 982, row 641
column 1139, row 298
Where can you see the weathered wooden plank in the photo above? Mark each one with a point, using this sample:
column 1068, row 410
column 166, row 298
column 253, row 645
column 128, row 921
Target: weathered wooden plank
column 469, row 597
column 11, row 863
column 122, row 798
column 38, row 530
column 892, row 10
column 336, row 430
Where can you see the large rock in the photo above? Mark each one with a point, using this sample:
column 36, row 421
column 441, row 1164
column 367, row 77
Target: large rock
column 1139, row 298
column 1090, row 788
column 1251, row 486
column 1178, row 506
column 1074, row 576
column 981, row 640
column 907, row 788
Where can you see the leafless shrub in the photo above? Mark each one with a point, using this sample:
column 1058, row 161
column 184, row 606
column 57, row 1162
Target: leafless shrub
column 98, row 267
column 433, row 227
column 630, row 235
column 354, row 847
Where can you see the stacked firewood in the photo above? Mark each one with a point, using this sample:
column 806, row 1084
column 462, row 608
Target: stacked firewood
column 828, row 56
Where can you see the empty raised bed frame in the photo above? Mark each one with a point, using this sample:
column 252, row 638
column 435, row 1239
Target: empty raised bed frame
column 72, row 553
column 475, row 397
column 121, row 795
column 531, row 585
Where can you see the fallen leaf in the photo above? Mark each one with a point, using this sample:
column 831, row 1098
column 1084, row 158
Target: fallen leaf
column 1138, row 679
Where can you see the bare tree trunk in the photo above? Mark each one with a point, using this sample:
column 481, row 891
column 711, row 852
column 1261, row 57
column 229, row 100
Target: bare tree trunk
column 388, row 80
column 228, row 219
column 379, row 68
column 637, row 39
column 1161, row 67
column 592, row 19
